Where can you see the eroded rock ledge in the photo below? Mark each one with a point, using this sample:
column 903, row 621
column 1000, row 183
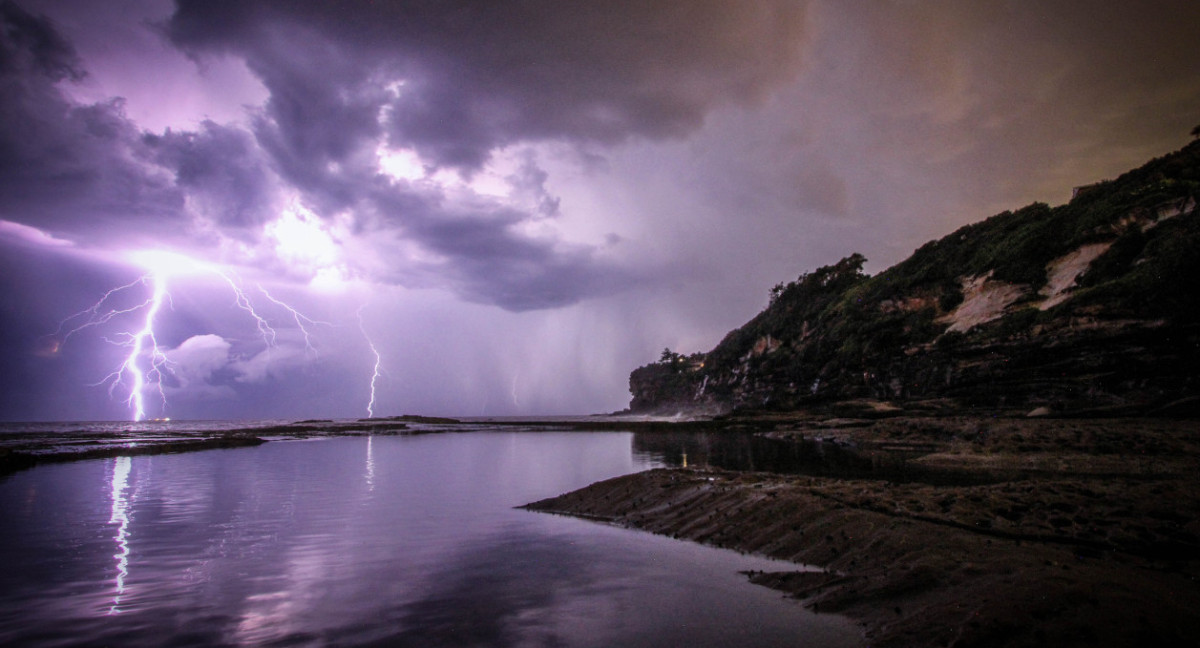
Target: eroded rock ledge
column 1064, row 561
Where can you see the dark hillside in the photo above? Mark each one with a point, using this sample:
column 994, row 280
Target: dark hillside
column 1088, row 306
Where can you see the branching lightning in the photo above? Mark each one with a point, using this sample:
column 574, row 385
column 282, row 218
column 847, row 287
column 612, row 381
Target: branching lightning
column 378, row 362
column 143, row 342
column 242, row 302
column 93, row 315
column 301, row 320
column 144, row 366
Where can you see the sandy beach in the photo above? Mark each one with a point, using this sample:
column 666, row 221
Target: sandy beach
column 1012, row 532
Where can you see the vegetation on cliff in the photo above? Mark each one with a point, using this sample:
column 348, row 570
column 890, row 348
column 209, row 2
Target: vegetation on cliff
column 1084, row 306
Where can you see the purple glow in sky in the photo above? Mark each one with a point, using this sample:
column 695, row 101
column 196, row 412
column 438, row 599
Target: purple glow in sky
column 519, row 202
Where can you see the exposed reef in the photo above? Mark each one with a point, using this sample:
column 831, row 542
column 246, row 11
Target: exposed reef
column 22, row 450
column 1005, row 532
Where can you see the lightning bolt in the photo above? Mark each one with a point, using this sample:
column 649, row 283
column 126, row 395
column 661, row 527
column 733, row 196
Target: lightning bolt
column 242, row 302
column 265, row 330
column 144, row 339
column 378, row 361
column 93, row 315
column 141, row 343
column 143, row 369
column 301, row 320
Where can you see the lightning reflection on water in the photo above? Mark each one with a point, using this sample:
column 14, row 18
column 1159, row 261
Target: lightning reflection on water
column 120, row 517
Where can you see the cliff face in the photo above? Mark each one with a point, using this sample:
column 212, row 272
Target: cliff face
column 1093, row 305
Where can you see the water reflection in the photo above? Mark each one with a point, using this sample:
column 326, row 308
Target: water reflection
column 370, row 463
column 120, row 517
column 361, row 541
column 745, row 451
column 751, row 452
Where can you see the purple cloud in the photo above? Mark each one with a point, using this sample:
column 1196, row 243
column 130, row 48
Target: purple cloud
column 453, row 84
column 66, row 167
column 472, row 77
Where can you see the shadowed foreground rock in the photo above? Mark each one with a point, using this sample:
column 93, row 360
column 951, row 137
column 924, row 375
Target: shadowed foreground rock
column 1063, row 558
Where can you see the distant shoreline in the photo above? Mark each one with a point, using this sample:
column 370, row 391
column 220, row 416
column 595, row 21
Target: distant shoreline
column 83, row 443
column 119, row 440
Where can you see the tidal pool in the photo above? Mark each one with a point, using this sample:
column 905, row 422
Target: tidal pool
column 405, row 541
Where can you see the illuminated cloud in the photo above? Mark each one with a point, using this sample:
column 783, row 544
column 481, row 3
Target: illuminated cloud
column 194, row 363
column 27, row 235
column 269, row 363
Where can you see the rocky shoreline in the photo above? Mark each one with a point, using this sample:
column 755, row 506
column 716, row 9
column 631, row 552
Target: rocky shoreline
column 24, row 450
column 1010, row 533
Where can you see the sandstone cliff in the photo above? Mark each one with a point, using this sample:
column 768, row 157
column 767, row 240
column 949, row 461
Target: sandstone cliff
column 1092, row 306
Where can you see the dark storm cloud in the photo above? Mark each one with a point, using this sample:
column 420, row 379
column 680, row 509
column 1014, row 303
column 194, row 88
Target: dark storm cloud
column 479, row 254
column 86, row 172
column 222, row 169
column 457, row 81
column 64, row 166
column 30, row 42
column 481, row 75
column 518, row 273
column 319, row 116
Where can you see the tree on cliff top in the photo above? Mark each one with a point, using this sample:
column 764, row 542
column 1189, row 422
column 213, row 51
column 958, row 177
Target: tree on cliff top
column 837, row 276
column 670, row 357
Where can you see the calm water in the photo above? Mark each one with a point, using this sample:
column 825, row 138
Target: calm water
column 408, row 541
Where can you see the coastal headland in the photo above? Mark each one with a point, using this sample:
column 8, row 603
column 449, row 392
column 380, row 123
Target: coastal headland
column 1013, row 411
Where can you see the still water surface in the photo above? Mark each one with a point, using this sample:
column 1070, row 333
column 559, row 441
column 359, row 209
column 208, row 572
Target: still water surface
column 405, row 541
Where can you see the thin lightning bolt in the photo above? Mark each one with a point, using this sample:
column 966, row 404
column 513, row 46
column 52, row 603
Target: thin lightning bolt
column 143, row 368
column 301, row 320
column 94, row 317
column 243, row 302
column 378, row 361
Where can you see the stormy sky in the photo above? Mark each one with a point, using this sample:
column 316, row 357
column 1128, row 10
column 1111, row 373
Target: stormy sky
column 501, row 208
